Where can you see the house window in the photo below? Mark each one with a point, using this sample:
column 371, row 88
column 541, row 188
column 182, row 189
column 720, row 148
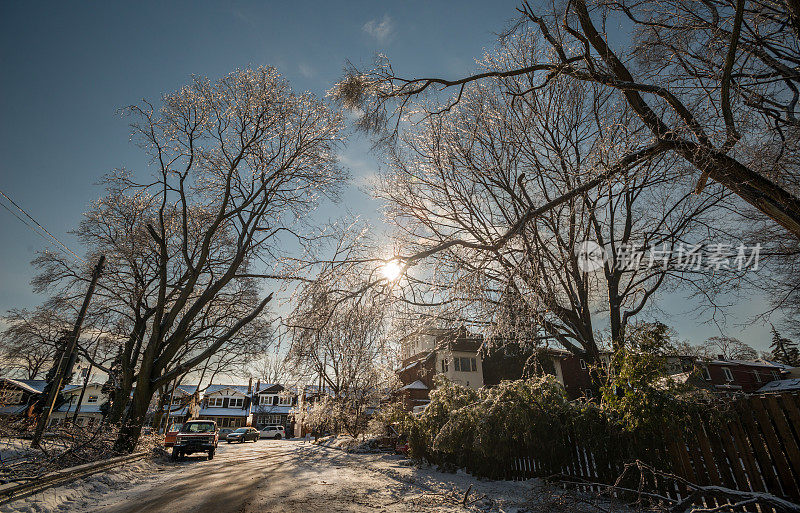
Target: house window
column 444, row 365
column 236, row 402
column 285, row 400
column 91, row 399
column 727, row 372
column 215, row 402
column 465, row 364
column 775, row 376
column 706, row 373
column 757, row 375
column 583, row 364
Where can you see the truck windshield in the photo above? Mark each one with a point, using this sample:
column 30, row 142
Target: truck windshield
column 198, row 427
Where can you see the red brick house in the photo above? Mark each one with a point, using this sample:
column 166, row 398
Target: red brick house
column 729, row 376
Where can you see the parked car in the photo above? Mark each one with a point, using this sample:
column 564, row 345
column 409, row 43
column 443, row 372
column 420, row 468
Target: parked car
column 242, row 435
column 224, row 432
column 169, row 436
column 276, row 432
column 196, row 436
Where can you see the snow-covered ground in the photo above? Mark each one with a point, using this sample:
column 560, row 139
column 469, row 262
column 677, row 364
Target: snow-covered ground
column 284, row 476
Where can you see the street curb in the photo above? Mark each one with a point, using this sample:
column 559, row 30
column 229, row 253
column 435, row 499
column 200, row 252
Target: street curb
column 12, row 492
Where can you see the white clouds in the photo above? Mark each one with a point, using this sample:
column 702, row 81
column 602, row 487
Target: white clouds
column 380, row 30
column 306, row 70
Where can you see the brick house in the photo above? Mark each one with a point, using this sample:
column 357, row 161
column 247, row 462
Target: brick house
column 730, row 376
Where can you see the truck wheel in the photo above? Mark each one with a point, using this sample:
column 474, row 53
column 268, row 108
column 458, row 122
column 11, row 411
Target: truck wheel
column 211, row 455
column 175, row 454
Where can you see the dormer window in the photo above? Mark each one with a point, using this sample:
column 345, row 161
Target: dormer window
column 215, row 402
column 236, row 402
column 706, row 373
column 728, row 374
column 285, row 400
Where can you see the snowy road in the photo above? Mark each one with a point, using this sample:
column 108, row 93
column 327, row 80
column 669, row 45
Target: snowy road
column 290, row 476
column 277, row 476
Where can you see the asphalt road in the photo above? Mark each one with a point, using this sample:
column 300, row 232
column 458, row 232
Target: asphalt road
column 268, row 475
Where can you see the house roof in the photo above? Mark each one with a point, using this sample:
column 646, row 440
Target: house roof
column 33, row 386
column 241, row 389
column 781, row 385
column 13, row 409
column 264, row 387
column 85, row 408
column 416, row 385
column 409, row 366
column 224, row 412
column 186, row 389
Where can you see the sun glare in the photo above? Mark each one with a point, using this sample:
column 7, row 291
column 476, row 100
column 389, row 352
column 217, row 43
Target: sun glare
column 392, row 270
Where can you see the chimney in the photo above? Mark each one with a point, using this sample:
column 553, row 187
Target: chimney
column 258, row 386
column 250, row 386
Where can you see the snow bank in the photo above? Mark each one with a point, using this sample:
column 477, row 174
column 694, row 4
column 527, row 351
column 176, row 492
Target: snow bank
column 83, row 493
column 347, row 443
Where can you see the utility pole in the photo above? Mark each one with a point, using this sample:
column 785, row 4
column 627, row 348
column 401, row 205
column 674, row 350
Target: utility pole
column 64, row 363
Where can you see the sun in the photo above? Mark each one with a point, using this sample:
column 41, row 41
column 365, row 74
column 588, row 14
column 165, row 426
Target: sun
column 392, row 270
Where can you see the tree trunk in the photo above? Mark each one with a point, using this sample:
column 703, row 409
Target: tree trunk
column 132, row 426
column 121, row 398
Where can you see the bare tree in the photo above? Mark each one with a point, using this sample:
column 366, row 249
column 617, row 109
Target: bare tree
column 727, row 348
column 238, row 163
column 714, row 83
column 342, row 343
column 473, row 174
column 28, row 342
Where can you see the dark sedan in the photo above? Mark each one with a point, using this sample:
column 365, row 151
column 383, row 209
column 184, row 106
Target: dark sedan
column 242, row 435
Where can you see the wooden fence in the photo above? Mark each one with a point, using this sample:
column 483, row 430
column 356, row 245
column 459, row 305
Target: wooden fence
column 756, row 448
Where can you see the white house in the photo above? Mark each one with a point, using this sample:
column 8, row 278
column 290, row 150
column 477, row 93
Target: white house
column 89, row 409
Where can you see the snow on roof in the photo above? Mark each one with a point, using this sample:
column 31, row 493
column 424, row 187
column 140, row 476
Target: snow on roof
column 409, row 366
column 753, row 363
column 241, row 389
column 780, row 385
column 266, row 386
column 779, row 365
column 224, row 412
column 416, row 385
column 85, row 408
column 186, row 389
column 33, row 386
column 13, row 409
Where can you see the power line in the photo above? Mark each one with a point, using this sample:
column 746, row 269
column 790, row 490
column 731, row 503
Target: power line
column 37, row 224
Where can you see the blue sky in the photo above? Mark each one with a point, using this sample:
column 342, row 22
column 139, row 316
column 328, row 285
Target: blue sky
column 67, row 67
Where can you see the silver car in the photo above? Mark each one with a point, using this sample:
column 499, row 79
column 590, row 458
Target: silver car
column 276, row 432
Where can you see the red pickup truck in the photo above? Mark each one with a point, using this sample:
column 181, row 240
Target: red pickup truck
column 196, row 436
